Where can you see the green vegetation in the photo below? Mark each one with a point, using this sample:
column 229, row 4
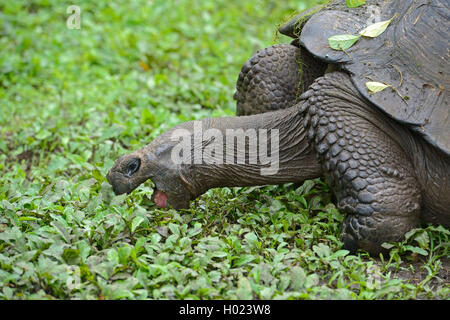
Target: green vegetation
column 73, row 101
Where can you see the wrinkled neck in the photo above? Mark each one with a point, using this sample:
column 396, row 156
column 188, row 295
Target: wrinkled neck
column 268, row 148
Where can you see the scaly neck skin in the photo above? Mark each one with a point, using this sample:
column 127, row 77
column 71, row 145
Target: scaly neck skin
column 295, row 161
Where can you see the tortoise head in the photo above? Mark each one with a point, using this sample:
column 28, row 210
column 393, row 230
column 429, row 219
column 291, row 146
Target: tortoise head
column 152, row 162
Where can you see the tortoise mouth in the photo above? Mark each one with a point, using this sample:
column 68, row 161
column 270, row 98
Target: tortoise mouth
column 160, row 198
column 119, row 186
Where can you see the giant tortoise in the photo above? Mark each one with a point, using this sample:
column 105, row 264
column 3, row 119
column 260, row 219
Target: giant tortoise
column 384, row 153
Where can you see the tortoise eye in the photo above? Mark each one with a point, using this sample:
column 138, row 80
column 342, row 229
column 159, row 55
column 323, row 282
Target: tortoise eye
column 133, row 166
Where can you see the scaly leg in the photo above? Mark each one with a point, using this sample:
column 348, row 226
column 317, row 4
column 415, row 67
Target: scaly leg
column 367, row 168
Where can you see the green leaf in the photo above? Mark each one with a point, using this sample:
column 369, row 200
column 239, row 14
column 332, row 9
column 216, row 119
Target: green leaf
column 411, row 232
column 185, row 243
column 113, row 256
column 8, row 292
column 284, row 282
column 267, row 293
column 339, row 253
column 121, row 294
column 375, row 87
column 244, row 290
column 312, row 280
column 416, row 250
column 174, row 228
column 251, row 237
column 374, row 30
column 355, row 3
column 422, row 239
column 219, row 254
column 118, row 200
column 387, row 245
column 43, row 134
column 136, row 222
column 109, row 133
column 98, row 176
column 322, row 250
column 196, row 230
column 62, row 230
column 71, row 256
column 298, row 278
column 246, row 258
column 302, row 200
column 84, row 248
column 147, row 117
column 439, row 228
column 342, row 41
column 124, row 254
column 155, row 237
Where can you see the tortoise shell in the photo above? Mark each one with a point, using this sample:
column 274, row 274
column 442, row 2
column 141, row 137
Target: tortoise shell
column 411, row 57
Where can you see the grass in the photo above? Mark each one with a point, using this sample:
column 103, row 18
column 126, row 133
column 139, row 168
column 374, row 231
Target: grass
column 72, row 101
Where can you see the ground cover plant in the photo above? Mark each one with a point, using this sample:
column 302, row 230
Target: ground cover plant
column 73, row 100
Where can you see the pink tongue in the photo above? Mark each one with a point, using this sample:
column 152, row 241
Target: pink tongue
column 160, row 199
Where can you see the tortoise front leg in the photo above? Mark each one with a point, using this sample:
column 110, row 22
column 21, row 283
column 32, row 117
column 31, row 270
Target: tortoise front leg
column 274, row 78
column 369, row 171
